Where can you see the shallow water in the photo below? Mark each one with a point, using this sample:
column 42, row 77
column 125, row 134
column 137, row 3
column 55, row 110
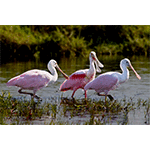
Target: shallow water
column 132, row 89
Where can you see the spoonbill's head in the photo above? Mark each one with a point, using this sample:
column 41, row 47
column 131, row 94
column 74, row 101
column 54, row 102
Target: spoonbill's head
column 126, row 62
column 96, row 61
column 53, row 64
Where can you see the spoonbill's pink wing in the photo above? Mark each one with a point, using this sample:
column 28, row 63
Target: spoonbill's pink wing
column 13, row 81
column 75, row 80
column 103, row 83
column 33, row 79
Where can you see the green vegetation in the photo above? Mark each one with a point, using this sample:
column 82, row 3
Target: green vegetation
column 28, row 42
column 66, row 111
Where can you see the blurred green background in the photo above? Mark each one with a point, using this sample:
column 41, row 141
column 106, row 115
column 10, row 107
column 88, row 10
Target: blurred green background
column 28, row 42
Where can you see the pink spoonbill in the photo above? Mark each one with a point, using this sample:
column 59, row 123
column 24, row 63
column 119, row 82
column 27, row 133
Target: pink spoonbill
column 110, row 80
column 81, row 77
column 36, row 79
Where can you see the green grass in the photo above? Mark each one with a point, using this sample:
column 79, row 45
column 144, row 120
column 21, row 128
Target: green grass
column 63, row 111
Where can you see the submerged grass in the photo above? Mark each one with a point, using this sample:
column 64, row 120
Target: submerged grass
column 68, row 111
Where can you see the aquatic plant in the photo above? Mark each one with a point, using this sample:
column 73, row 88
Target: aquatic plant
column 54, row 111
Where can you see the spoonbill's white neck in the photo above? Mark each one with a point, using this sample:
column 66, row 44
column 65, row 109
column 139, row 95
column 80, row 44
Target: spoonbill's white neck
column 92, row 66
column 53, row 72
column 125, row 73
column 93, row 59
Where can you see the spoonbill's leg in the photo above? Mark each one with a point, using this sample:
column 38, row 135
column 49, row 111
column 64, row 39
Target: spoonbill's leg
column 34, row 91
column 85, row 94
column 110, row 97
column 20, row 91
column 105, row 99
column 73, row 93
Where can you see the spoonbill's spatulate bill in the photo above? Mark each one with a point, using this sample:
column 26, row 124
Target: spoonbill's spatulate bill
column 81, row 77
column 36, row 79
column 110, row 80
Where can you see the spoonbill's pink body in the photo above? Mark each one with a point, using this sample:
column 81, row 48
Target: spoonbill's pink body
column 36, row 79
column 110, row 80
column 81, row 77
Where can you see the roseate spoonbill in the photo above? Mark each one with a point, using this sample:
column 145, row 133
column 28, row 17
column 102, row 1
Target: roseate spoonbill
column 110, row 80
column 36, row 79
column 81, row 77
